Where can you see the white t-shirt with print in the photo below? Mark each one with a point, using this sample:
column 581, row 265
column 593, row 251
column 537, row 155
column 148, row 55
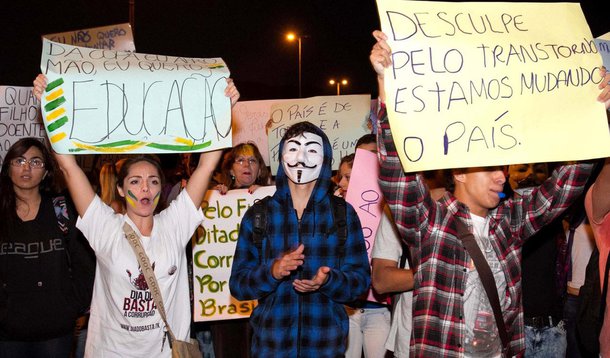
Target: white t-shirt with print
column 124, row 321
column 482, row 337
column 387, row 246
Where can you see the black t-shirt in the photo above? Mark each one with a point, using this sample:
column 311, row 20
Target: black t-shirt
column 539, row 257
column 40, row 296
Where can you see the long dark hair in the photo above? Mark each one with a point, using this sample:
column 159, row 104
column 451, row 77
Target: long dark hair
column 124, row 171
column 8, row 197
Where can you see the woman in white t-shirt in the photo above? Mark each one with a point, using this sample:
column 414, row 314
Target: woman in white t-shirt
column 124, row 320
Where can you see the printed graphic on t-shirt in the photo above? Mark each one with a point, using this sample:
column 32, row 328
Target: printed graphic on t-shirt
column 31, row 250
column 140, row 303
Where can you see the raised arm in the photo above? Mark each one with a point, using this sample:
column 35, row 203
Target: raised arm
column 201, row 176
column 380, row 59
column 405, row 193
column 78, row 184
column 600, row 199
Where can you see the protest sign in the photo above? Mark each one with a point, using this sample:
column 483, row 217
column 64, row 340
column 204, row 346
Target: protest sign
column 213, row 252
column 603, row 45
column 481, row 83
column 343, row 119
column 249, row 121
column 104, row 101
column 112, row 37
column 367, row 199
column 19, row 117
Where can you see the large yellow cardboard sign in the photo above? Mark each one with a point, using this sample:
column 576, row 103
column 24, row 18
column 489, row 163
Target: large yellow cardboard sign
column 479, row 84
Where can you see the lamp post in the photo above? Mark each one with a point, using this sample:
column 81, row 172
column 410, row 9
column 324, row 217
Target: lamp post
column 338, row 83
column 291, row 37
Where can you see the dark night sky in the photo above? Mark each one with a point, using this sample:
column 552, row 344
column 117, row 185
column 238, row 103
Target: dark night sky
column 248, row 35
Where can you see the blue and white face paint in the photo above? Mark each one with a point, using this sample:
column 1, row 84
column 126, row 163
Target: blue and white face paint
column 302, row 157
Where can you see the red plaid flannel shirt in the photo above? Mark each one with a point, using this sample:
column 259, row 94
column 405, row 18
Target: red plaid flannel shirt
column 440, row 259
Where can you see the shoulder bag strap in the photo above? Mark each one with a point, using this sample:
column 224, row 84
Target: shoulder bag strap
column 480, row 263
column 149, row 274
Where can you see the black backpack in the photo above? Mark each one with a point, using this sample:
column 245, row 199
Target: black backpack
column 259, row 222
column 591, row 307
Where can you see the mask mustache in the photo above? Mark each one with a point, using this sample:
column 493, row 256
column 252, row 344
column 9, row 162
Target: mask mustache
column 300, row 164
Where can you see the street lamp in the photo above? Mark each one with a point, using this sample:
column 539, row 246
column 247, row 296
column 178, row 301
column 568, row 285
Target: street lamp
column 291, row 37
column 338, row 83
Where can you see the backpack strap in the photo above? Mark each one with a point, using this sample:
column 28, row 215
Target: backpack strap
column 339, row 211
column 259, row 223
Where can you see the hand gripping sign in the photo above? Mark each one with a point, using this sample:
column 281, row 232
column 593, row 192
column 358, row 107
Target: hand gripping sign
column 104, row 101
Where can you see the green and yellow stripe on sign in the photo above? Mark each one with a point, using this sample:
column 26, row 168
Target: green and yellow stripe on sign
column 125, row 146
column 55, row 114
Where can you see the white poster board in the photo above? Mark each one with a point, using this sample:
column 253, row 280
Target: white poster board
column 213, row 254
column 104, row 101
column 111, row 37
column 19, row 117
column 343, row 118
column 249, row 123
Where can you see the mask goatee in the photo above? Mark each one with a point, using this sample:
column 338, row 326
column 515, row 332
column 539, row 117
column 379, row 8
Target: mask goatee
column 299, row 172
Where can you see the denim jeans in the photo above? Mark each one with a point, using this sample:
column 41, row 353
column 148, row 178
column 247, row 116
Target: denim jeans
column 368, row 331
column 204, row 337
column 545, row 342
column 570, row 311
column 80, row 336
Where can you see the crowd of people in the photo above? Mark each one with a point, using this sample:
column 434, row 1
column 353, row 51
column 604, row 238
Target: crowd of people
column 467, row 262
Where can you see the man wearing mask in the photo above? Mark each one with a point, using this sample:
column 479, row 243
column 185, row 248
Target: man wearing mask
column 302, row 271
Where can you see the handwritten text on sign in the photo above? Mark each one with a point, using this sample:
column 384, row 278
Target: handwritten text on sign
column 249, row 123
column 475, row 84
column 603, row 45
column 113, row 37
column 213, row 254
column 365, row 196
column 19, row 117
column 342, row 118
column 118, row 102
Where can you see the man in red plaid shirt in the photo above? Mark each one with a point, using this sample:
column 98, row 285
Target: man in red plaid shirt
column 452, row 316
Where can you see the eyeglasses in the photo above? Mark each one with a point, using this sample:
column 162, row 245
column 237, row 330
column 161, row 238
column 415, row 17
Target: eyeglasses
column 36, row 163
column 249, row 161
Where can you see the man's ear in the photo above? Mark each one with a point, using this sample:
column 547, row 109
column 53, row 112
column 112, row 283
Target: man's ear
column 459, row 177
